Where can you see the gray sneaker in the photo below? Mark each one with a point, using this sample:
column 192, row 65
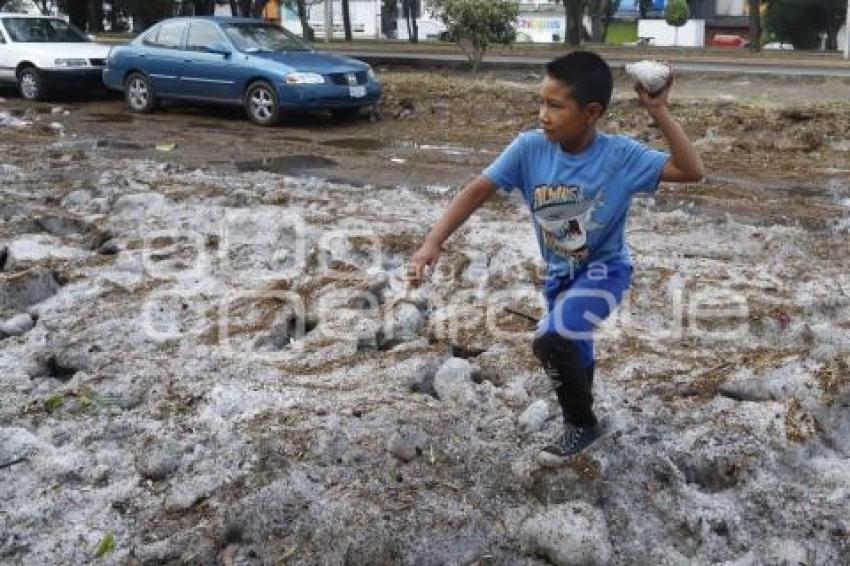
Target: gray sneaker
column 575, row 439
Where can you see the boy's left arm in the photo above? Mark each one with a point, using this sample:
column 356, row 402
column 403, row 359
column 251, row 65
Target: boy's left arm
column 685, row 164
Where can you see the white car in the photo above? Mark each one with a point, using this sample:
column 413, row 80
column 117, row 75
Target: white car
column 777, row 46
column 40, row 53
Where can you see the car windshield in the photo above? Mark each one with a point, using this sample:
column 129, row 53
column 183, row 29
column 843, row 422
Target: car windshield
column 256, row 38
column 43, row 30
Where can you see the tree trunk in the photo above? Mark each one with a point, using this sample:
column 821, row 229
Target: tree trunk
column 478, row 56
column 411, row 13
column 42, row 5
column 346, row 20
column 94, row 16
column 306, row 30
column 755, row 25
column 596, row 20
column 204, row 7
column 256, row 8
column 76, row 10
column 234, row 8
column 575, row 14
column 605, row 25
column 832, row 39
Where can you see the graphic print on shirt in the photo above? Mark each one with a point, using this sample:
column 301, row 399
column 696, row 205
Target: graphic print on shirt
column 564, row 217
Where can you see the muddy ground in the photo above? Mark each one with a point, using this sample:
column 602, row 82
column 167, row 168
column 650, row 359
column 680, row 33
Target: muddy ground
column 160, row 403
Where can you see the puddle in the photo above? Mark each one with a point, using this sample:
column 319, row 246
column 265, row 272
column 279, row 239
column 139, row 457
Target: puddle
column 372, row 144
column 832, row 190
column 32, row 111
column 359, row 144
column 109, row 118
column 294, row 139
column 121, row 145
column 291, row 164
column 203, row 126
column 446, row 149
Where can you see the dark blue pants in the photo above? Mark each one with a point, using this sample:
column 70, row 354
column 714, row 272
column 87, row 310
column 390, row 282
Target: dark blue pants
column 577, row 306
column 564, row 338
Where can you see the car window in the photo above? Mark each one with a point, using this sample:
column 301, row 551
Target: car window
column 149, row 38
column 253, row 38
column 170, row 35
column 43, row 30
column 203, row 35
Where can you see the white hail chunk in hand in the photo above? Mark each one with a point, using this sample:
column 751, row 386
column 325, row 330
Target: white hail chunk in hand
column 652, row 75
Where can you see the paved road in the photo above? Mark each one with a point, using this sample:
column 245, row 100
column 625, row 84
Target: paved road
column 840, row 69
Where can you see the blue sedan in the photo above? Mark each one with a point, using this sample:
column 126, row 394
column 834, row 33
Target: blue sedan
column 251, row 63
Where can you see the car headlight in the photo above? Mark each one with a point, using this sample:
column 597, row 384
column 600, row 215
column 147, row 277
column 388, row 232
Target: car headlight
column 372, row 75
column 303, row 78
column 70, row 63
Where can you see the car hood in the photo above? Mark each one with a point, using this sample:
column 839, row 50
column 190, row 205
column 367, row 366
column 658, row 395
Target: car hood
column 314, row 61
column 66, row 50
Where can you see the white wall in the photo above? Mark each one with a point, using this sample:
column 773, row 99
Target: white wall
column 365, row 19
column 692, row 34
column 543, row 28
column 429, row 28
column 732, row 8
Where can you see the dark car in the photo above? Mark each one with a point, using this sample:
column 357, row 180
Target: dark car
column 252, row 63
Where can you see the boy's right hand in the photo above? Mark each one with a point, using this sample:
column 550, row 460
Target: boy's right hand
column 425, row 257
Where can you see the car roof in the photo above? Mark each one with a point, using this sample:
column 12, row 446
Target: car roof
column 30, row 16
column 220, row 19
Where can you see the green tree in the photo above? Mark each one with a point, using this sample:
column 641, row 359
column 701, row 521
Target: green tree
column 410, row 9
column 300, row 8
column 601, row 14
column 677, row 15
column 835, row 15
column 755, row 25
column 477, row 24
column 574, row 18
column 346, row 20
column 145, row 13
column 800, row 22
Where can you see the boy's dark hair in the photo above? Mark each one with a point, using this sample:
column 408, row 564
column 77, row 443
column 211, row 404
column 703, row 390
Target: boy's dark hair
column 587, row 74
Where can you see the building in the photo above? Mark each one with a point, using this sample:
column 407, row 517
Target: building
column 540, row 21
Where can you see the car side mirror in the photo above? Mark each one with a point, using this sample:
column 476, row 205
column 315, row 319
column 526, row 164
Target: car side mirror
column 219, row 48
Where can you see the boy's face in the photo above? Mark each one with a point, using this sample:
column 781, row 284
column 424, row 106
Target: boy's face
column 562, row 118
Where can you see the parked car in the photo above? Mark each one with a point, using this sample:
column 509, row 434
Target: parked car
column 252, row 63
column 778, row 46
column 729, row 40
column 40, row 53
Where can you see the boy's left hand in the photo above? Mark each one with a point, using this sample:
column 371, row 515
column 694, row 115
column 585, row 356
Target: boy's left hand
column 654, row 102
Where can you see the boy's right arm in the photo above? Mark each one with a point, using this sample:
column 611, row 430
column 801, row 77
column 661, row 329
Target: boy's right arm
column 462, row 206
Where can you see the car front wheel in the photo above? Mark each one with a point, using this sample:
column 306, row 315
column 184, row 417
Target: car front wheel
column 139, row 93
column 30, row 84
column 261, row 104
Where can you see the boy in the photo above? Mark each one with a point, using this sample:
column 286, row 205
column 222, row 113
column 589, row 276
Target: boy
column 578, row 184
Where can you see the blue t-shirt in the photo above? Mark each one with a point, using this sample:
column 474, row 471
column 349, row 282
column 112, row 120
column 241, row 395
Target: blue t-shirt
column 579, row 202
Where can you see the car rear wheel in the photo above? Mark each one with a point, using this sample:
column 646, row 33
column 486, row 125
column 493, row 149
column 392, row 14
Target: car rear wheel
column 261, row 104
column 139, row 93
column 30, row 84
